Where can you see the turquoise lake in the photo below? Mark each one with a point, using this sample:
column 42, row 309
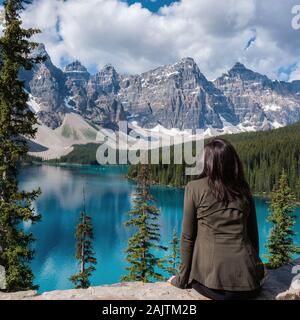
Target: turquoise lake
column 108, row 199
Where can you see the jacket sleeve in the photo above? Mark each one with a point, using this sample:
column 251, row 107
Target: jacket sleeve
column 188, row 236
column 252, row 228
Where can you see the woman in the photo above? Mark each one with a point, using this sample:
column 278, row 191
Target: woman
column 219, row 243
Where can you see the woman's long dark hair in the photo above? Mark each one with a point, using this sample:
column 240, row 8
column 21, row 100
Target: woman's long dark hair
column 224, row 170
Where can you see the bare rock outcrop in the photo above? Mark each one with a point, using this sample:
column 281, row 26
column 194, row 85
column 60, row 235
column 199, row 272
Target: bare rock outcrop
column 278, row 285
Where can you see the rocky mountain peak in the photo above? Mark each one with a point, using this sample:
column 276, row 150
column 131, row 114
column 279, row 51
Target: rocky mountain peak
column 76, row 75
column 239, row 71
column 107, row 79
column 40, row 51
column 75, row 66
column 238, row 67
column 177, row 95
column 188, row 73
column 188, row 62
column 46, row 83
column 108, row 68
column 259, row 102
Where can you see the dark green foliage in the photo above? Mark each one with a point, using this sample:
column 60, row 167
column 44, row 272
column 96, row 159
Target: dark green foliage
column 81, row 154
column 280, row 245
column 172, row 259
column 263, row 154
column 30, row 159
column 84, row 251
column 143, row 264
column 16, row 126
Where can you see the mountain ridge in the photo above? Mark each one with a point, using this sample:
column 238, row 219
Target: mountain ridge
column 177, row 95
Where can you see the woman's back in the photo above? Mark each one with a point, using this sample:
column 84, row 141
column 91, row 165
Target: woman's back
column 225, row 254
column 219, row 242
column 219, row 218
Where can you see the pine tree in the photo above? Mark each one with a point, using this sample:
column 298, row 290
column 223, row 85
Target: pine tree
column 280, row 242
column 84, row 250
column 16, row 124
column 144, row 264
column 172, row 260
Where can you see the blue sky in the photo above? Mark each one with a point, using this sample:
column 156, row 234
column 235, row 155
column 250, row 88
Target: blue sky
column 152, row 5
column 138, row 35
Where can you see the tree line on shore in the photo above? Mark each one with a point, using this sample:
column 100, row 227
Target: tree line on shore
column 264, row 154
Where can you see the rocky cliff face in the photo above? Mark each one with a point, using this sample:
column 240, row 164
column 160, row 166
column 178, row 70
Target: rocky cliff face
column 174, row 96
column 93, row 97
column 46, row 83
column 259, row 102
column 77, row 78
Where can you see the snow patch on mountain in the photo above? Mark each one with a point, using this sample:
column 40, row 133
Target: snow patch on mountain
column 271, row 107
column 67, row 103
column 33, row 105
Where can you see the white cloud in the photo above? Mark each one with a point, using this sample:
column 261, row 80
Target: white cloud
column 133, row 39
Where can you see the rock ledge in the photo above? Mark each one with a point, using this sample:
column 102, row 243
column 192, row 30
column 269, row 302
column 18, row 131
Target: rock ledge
column 277, row 286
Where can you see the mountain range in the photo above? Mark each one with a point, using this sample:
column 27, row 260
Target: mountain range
column 72, row 104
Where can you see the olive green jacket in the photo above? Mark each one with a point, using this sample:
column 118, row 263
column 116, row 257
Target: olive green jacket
column 219, row 243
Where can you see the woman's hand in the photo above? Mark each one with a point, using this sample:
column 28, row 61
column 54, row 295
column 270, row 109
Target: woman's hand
column 171, row 279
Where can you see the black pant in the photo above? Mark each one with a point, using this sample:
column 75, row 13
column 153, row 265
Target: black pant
column 224, row 294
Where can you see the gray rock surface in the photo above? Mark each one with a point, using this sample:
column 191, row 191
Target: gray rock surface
column 291, row 294
column 120, row 291
column 46, row 83
column 258, row 101
column 20, row 295
column 77, row 78
column 93, row 97
column 278, row 283
column 174, row 96
column 277, row 286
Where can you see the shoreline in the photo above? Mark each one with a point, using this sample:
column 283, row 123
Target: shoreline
column 263, row 195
